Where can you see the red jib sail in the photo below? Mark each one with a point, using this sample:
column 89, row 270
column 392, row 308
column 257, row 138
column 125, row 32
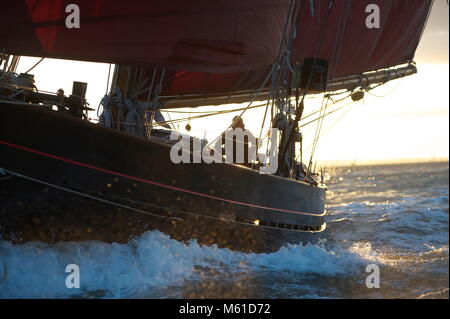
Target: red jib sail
column 216, row 47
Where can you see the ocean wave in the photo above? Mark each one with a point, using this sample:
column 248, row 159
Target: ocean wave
column 442, row 293
column 37, row 270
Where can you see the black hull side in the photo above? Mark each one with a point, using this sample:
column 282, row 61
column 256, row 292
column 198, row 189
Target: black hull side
column 48, row 147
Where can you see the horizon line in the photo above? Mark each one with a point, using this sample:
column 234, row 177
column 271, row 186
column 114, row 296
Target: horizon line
column 393, row 161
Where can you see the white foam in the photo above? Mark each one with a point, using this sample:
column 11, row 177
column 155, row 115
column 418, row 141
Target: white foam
column 37, row 270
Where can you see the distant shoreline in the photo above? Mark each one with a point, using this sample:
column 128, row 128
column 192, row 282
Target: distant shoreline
column 338, row 163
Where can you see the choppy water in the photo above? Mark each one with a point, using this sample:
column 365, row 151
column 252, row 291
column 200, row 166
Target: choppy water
column 394, row 216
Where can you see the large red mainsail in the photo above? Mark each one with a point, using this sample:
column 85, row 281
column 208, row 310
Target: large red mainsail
column 216, row 47
column 197, row 35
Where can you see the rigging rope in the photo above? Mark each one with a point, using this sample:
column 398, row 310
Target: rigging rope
column 35, row 65
column 212, row 113
column 387, row 94
column 330, row 112
column 336, row 121
column 317, row 133
column 78, row 193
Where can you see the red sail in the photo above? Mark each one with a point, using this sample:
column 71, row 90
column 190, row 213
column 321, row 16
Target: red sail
column 341, row 35
column 199, row 35
column 331, row 30
column 216, row 47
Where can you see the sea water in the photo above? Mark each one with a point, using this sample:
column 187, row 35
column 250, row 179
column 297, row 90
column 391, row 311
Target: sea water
column 392, row 216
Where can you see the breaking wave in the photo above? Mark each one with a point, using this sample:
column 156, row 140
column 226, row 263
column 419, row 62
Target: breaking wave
column 153, row 260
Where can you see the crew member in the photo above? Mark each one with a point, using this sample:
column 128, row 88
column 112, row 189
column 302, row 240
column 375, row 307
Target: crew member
column 239, row 135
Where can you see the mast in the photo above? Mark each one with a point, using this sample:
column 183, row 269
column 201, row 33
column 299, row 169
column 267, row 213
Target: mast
column 133, row 100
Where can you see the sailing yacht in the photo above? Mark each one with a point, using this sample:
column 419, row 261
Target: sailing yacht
column 66, row 178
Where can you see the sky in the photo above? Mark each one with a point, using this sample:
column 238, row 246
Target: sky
column 406, row 119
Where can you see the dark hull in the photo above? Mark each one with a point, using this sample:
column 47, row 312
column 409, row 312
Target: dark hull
column 81, row 182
